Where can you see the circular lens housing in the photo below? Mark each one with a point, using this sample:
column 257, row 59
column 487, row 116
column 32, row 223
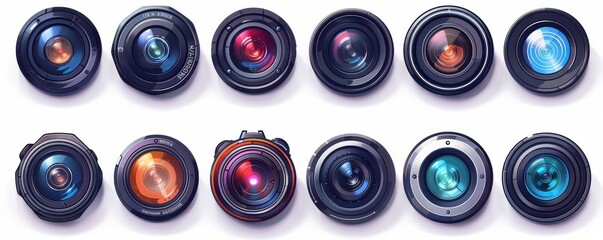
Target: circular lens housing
column 58, row 177
column 58, row 50
column 351, row 51
column 546, row 177
column 448, row 50
column 448, row 177
column 156, row 177
column 351, row 178
column 156, row 50
column 252, row 178
column 253, row 50
column 546, row 51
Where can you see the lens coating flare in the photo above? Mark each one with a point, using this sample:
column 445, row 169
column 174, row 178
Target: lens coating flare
column 253, row 50
column 547, row 177
column 349, row 50
column 449, row 50
column 156, row 177
column 447, row 177
column 58, row 50
column 157, row 50
column 546, row 50
column 253, row 179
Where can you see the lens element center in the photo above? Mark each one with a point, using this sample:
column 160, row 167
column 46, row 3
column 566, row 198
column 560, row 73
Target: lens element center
column 58, row 50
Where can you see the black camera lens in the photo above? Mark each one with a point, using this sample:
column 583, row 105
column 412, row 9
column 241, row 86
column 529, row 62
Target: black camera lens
column 448, row 50
column 546, row 51
column 351, row 51
column 351, row 178
column 58, row 177
column 156, row 50
column 448, row 177
column 156, row 177
column 253, row 178
column 58, row 50
column 546, row 177
column 253, row 50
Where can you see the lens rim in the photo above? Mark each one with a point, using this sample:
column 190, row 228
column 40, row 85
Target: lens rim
column 477, row 162
column 226, row 155
column 269, row 79
column 52, row 84
column 355, row 83
column 382, row 193
column 51, row 144
column 546, row 211
column 420, row 32
column 172, row 208
column 163, row 17
column 570, row 74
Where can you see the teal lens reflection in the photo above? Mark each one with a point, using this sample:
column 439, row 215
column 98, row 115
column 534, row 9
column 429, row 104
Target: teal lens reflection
column 546, row 177
column 448, row 177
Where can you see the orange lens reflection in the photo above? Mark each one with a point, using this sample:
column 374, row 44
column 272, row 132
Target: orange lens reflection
column 58, row 50
column 156, row 177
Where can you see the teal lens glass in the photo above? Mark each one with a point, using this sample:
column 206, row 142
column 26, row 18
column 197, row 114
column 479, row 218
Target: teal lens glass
column 448, row 177
column 546, row 177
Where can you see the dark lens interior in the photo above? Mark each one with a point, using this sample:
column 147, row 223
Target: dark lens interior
column 449, row 50
column 58, row 177
column 253, row 50
column 350, row 50
column 352, row 179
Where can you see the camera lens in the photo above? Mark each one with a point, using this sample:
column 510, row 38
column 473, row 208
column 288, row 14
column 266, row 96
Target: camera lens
column 156, row 177
column 58, row 50
column 156, row 50
column 351, row 178
column 252, row 178
column 253, row 50
column 58, row 177
column 448, row 177
column 351, row 51
column 448, row 50
column 546, row 177
column 546, row 51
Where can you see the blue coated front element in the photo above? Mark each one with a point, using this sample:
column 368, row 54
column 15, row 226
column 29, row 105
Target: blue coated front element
column 47, row 35
column 44, row 187
column 448, row 177
column 546, row 177
column 352, row 178
column 546, row 50
column 164, row 60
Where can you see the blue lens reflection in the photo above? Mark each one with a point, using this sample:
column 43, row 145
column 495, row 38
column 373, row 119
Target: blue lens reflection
column 546, row 50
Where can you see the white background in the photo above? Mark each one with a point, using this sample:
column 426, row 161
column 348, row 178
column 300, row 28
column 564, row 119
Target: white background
column 108, row 115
